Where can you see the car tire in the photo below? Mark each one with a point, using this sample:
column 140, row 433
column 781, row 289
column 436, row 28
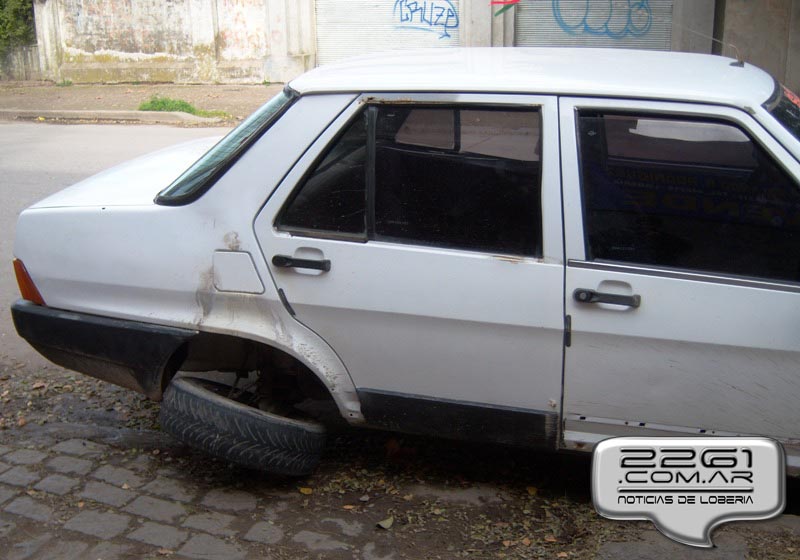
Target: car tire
column 194, row 412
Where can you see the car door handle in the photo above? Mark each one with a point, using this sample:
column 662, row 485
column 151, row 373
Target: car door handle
column 284, row 261
column 582, row 295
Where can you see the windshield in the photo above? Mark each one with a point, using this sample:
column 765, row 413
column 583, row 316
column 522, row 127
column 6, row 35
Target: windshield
column 784, row 105
column 203, row 174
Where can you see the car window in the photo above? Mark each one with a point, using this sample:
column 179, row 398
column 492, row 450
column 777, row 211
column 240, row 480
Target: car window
column 478, row 191
column 784, row 105
column 332, row 198
column 686, row 193
column 455, row 177
column 204, row 172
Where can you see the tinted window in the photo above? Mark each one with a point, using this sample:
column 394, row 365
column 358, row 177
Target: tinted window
column 333, row 197
column 460, row 178
column 686, row 193
column 448, row 177
column 204, row 172
column 785, row 106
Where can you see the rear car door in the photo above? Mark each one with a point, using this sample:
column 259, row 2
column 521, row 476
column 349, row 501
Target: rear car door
column 683, row 272
column 420, row 236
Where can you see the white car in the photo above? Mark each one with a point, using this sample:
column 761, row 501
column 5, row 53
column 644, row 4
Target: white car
column 542, row 247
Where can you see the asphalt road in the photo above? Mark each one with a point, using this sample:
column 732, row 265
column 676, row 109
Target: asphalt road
column 37, row 160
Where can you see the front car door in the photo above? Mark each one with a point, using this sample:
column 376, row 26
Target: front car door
column 683, row 273
column 421, row 237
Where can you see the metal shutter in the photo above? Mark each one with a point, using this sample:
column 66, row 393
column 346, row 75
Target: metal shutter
column 361, row 26
column 643, row 24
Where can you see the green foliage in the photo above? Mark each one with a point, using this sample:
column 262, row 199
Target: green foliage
column 160, row 103
column 64, row 83
column 16, row 25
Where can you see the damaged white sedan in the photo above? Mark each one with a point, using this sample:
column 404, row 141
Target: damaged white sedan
column 534, row 247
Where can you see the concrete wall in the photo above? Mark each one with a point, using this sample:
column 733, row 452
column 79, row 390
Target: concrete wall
column 254, row 40
column 765, row 33
column 174, row 40
column 693, row 26
column 21, row 64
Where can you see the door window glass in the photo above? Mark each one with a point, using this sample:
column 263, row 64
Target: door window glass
column 460, row 178
column 332, row 198
column 686, row 193
column 442, row 176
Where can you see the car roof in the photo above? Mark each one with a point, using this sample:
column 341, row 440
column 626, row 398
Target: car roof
column 563, row 71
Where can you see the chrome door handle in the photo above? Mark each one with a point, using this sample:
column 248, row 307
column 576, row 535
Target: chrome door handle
column 582, row 295
column 285, row 261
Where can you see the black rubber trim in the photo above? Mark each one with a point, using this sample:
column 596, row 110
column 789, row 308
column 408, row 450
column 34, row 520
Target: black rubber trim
column 458, row 419
column 127, row 353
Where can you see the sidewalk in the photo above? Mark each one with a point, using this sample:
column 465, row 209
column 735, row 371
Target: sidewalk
column 43, row 101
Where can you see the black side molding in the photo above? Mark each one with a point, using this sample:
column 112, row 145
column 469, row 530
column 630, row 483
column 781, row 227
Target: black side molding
column 127, row 353
column 458, row 419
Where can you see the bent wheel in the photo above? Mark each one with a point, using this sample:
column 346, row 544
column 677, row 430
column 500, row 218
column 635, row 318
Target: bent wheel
column 194, row 411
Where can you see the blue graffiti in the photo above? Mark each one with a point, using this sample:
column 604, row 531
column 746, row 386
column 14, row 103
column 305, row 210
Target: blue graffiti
column 437, row 16
column 612, row 18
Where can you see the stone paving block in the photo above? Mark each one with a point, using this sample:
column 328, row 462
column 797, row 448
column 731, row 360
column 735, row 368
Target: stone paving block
column 59, row 549
column 106, row 494
column 101, row 524
column 318, row 542
column 206, row 547
column 141, row 462
column 4, row 449
column 163, row 536
column 155, row 509
column 110, row 551
column 25, row 457
column 264, row 532
column 372, row 552
column 348, row 528
column 655, row 546
column 57, row 484
column 6, row 494
column 233, row 500
column 81, row 448
column 30, row 508
column 6, row 526
column 118, row 476
column 169, row 488
column 26, row 549
column 19, row 476
column 69, row 465
column 214, row 523
column 4, row 466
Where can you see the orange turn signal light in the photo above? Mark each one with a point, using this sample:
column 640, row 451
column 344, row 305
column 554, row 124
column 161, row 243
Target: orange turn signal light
column 27, row 288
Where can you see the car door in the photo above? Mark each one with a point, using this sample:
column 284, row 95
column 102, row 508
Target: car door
column 420, row 236
column 682, row 228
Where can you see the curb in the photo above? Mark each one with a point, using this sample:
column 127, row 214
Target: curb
column 149, row 117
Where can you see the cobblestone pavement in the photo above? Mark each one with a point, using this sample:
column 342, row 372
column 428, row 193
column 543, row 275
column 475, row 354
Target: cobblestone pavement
column 89, row 490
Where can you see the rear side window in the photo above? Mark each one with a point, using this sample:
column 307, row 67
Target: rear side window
column 455, row 177
column 686, row 193
column 333, row 198
column 202, row 175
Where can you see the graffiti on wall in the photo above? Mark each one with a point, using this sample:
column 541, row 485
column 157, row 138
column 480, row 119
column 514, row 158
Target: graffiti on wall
column 610, row 18
column 436, row 16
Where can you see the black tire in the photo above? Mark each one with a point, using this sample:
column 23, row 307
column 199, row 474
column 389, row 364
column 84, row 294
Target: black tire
column 196, row 414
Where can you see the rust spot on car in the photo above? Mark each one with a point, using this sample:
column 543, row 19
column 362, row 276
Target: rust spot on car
column 508, row 258
column 231, row 241
column 204, row 295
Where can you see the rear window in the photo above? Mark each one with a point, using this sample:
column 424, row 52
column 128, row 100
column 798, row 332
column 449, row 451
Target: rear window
column 785, row 107
column 204, row 172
